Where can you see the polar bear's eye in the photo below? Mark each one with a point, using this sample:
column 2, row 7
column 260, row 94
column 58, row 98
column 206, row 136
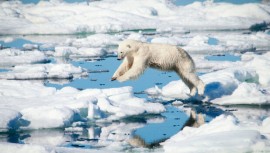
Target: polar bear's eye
column 121, row 52
column 128, row 46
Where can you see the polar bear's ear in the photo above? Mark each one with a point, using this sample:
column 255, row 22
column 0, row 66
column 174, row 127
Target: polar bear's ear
column 128, row 46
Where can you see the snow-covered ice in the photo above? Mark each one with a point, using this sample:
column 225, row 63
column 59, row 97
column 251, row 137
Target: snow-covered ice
column 46, row 107
column 249, row 80
column 12, row 56
column 24, row 148
column 221, row 134
column 73, row 52
column 43, row 71
column 64, row 18
column 96, row 40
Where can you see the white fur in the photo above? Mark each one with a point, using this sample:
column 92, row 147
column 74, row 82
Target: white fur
column 138, row 56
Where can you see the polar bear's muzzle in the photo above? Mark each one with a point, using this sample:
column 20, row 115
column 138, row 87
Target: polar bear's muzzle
column 119, row 58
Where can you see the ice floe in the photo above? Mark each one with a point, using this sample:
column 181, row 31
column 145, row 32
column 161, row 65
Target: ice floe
column 46, row 107
column 73, row 52
column 222, row 133
column 249, row 80
column 12, row 56
column 23, row 148
column 48, row 17
column 43, row 71
column 96, row 40
column 217, row 42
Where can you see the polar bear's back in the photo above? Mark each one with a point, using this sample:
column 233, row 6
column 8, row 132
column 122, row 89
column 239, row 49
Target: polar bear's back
column 164, row 56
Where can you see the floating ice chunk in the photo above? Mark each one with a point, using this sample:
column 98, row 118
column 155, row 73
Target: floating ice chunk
column 218, row 84
column 222, row 133
column 171, row 29
column 8, row 39
column 25, row 89
column 261, row 63
column 46, row 107
column 131, row 105
column 120, row 102
column 92, row 52
column 21, row 148
column 44, row 71
column 117, row 91
column 49, row 117
column 11, row 57
column 30, row 46
column 47, row 46
column 26, row 148
column 230, row 85
column 137, row 36
column 242, row 42
column 78, row 52
column 245, row 93
column 40, row 106
column 64, row 51
column 200, row 44
column 79, row 150
column 97, row 40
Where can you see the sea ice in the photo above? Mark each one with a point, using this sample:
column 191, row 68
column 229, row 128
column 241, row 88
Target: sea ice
column 43, row 71
column 48, row 17
column 229, row 86
column 12, row 56
column 96, row 40
column 26, row 148
column 30, row 46
column 78, row 52
column 221, row 134
column 46, row 107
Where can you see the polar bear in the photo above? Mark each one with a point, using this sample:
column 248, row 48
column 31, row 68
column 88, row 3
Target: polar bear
column 139, row 55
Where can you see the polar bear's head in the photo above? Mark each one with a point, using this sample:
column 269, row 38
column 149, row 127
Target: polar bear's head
column 127, row 47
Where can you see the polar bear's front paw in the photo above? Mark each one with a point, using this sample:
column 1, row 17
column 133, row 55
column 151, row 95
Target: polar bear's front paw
column 113, row 78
